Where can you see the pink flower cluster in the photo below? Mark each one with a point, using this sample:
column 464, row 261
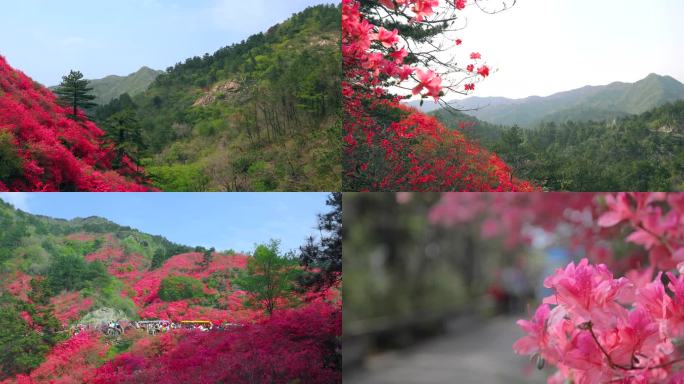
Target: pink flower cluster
column 373, row 54
column 596, row 328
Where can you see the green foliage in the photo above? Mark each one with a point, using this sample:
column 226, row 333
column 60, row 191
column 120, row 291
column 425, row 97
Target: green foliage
column 269, row 277
column 174, row 288
column 125, row 131
column 179, row 177
column 638, row 153
column 262, row 114
column 24, row 347
column 11, row 165
column 591, row 103
column 111, row 87
column 74, row 92
column 70, row 272
column 324, row 258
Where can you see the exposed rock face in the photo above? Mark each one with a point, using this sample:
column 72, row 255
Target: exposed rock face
column 103, row 316
column 225, row 90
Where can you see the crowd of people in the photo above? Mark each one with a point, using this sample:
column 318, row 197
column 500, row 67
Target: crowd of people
column 152, row 327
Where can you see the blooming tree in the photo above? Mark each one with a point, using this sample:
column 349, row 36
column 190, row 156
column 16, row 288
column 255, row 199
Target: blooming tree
column 397, row 45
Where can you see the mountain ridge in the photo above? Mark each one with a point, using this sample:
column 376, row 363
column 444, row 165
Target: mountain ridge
column 112, row 86
column 591, row 102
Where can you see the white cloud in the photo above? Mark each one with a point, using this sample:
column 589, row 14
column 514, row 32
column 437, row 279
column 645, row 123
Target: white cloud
column 18, row 199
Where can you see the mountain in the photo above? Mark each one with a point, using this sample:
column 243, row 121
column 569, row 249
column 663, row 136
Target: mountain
column 42, row 149
column 262, row 114
column 63, row 281
column 600, row 103
column 113, row 86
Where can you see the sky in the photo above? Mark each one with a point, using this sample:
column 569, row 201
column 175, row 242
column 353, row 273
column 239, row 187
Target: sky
column 45, row 39
column 222, row 220
column 540, row 47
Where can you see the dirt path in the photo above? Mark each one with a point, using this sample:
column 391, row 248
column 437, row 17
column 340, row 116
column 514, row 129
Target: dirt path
column 483, row 355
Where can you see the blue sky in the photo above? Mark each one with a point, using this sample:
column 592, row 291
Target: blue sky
column 46, row 39
column 221, row 220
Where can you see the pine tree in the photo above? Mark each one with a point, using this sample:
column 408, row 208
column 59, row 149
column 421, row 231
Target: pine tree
column 74, row 92
column 324, row 257
column 124, row 129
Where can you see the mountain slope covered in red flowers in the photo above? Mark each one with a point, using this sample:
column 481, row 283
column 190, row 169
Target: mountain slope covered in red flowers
column 62, row 283
column 41, row 149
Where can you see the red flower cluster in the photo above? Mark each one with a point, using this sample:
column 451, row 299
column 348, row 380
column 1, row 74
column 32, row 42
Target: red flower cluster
column 52, row 152
column 292, row 346
column 71, row 362
column 389, row 146
column 70, row 306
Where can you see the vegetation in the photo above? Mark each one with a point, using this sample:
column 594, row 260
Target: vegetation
column 269, row 278
column 74, row 93
column 175, row 288
column 263, row 114
column 323, row 258
column 111, row 87
column 590, row 103
column 635, row 153
column 47, row 147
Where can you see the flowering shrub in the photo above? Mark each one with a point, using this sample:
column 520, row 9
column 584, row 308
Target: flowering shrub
column 47, row 150
column 71, row 362
column 597, row 328
column 616, row 315
column 70, row 306
column 391, row 147
column 291, row 346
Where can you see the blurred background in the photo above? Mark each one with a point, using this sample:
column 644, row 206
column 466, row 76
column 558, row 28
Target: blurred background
column 432, row 290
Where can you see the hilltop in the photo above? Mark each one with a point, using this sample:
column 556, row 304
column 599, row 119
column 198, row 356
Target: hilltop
column 113, row 86
column 597, row 103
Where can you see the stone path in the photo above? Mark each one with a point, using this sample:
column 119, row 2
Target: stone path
column 482, row 355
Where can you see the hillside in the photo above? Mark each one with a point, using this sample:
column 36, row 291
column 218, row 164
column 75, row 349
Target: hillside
column 63, row 281
column 597, row 103
column 644, row 152
column 111, row 87
column 262, row 114
column 41, row 149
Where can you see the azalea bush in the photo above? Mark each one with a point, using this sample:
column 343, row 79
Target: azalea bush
column 616, row 315
column 298, row 345
column 391, row 147
column 43, row 150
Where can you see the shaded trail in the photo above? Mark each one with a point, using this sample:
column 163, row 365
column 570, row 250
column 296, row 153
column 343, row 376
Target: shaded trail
column 481, row 355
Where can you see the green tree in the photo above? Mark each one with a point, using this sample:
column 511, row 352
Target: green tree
column 23, row 346
column 74, row 92
column 207, row 257
column 324, row 259
column 124, row 129
column 269, row 277
column 174, row 288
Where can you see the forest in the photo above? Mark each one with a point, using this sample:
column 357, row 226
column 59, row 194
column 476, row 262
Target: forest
column 90, row 301
column 262, row 114
column 636, row 153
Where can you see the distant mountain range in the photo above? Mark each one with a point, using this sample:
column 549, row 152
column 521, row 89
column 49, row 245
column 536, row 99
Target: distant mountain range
column 113, row 86
column 603, row 102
